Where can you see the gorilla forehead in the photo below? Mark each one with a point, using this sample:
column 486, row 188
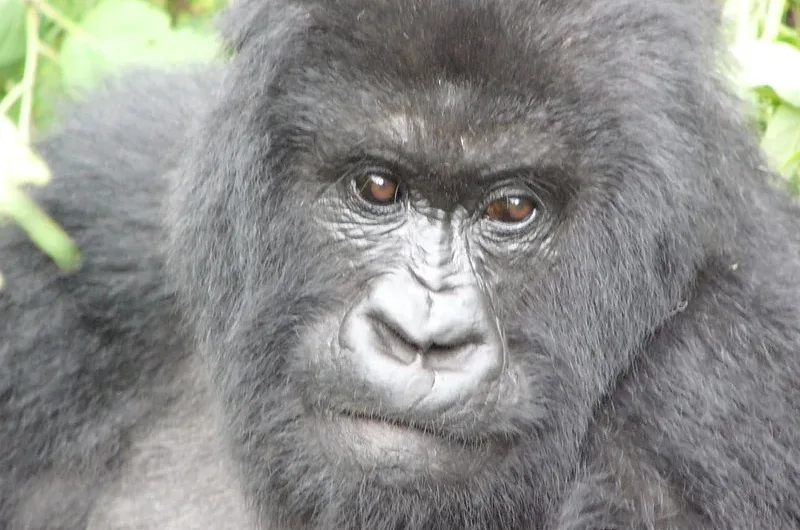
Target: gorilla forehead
column 457, row 86
column 439, row 104
column 517, row 46
column 416, row 40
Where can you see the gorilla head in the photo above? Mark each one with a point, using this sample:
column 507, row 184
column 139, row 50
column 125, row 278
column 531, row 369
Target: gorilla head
column 420, row 241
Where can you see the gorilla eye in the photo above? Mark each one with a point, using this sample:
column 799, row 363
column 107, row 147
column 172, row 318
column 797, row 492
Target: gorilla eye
column 511, row 209
column 377, row 189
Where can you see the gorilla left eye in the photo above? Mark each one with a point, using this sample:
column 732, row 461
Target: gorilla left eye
column 511, row 209
column 377, row 189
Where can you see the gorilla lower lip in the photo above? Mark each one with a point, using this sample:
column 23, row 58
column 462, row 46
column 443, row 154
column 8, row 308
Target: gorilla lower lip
column 383, row 433
column 371, row 443
column 380, row 428
column 371, row 438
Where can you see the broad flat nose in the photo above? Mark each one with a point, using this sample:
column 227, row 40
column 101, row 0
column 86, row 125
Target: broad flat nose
column 445, row 332
column 420, row 348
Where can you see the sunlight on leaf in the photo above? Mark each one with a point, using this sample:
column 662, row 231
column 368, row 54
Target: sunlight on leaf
column 773, row 64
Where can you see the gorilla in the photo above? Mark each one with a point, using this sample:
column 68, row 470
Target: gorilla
column 411, row 265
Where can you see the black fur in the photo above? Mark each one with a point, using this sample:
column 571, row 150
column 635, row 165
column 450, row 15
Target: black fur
column 83, row 356
column 655, row 335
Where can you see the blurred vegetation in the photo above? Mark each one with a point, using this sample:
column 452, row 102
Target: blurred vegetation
column 765, row 40
column 51, row 49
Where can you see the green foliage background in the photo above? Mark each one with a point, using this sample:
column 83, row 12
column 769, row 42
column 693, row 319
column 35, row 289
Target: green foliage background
column 51, row 49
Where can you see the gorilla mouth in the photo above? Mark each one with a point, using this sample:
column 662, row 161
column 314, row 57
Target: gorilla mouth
column 408, row 426
column 398, row 423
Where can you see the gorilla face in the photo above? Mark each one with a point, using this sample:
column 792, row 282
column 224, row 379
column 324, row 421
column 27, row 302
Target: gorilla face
column 429, row 252
column 404, row 359
column 414, row 362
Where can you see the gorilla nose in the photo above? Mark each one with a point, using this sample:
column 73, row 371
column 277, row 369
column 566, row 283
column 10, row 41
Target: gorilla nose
column 443, row 342
column 423, row 348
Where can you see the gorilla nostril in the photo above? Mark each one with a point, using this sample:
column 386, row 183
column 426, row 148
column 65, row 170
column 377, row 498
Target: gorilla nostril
column 453, row 348
column 464, row 340
column 393, row 341
column 452, row 355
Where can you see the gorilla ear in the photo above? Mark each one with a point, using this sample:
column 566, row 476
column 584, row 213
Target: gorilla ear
column 262, row 23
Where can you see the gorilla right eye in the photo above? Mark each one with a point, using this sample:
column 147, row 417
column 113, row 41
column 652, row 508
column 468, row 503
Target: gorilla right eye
column 377, row 188
column 511, row 209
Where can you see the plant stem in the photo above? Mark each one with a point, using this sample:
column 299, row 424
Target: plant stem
column 29, row 72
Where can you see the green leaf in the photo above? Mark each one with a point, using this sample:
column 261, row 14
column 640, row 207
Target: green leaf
column 774, row 64
column 12, row 31
column 781, row 141
column 127, row 33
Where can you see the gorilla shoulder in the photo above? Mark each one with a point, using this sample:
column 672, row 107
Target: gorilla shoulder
column 116, row 145
column 82, row 356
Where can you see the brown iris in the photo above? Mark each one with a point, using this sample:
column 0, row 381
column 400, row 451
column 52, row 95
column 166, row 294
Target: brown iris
column 512, row 209
column 377, row 189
